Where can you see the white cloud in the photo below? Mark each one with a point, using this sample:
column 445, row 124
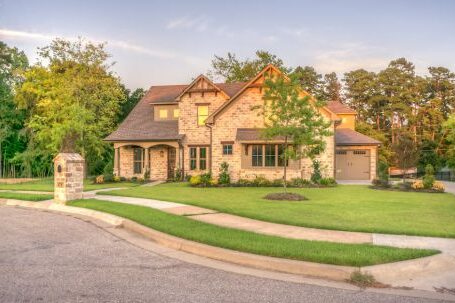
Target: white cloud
column 119, row 44
column 199, row 24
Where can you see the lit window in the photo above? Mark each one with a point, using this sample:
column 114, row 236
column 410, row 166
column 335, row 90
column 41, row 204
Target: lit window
column 256, row 155
column 176, row 112
column 163, row 113
column 202, row 114
column 227, row 149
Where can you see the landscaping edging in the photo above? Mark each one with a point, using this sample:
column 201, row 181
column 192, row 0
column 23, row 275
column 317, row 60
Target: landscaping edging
column 326, row 271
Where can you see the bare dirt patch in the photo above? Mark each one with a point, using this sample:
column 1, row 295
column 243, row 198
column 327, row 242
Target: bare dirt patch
column 285, row 197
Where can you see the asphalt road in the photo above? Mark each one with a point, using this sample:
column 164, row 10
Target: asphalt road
column 46, row 257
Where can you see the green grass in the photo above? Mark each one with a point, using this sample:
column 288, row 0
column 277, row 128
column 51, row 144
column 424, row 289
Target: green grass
column 26, row 197
column 314, row 251
column 345, row 207
column 47, row 184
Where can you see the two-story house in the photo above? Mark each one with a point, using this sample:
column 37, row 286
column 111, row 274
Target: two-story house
column 196, row 127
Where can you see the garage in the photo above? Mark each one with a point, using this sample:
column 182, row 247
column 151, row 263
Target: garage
column 352, row 164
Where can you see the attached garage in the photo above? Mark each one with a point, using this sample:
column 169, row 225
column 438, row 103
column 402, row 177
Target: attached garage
column 353, row 164
column 356, row 155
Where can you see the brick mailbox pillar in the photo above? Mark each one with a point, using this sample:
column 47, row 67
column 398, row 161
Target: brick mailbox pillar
column 68, row 177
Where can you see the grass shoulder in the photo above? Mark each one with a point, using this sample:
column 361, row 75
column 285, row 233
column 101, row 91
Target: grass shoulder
column 25, row 197
column 313, row 251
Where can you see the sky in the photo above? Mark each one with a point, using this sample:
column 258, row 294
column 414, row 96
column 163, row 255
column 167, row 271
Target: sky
column 172, row 42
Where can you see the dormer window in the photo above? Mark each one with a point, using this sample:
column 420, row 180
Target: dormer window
column 165, row 112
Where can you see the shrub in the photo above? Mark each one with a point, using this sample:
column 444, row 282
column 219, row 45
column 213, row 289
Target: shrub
column 244, row 182
column 224, row 177
column 316, row 176
column 327, row 182
column 99, row 179
column 380, row 183
column 417, row 185
column 108, row 172
column 428, row 179
column 438, row 186
column 108, row 178
column 140, row 180
column 134, row 179
column 261, row 181
column 195, row 180
column 299, row 182
column 178, row 174
column 383, row 172
column 122, row 179
column 206, row 179
column 116, row 179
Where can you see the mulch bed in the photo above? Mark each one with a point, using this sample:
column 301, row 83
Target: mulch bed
column 285, row 197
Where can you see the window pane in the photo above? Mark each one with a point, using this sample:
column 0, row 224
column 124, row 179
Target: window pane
column 137, row 160
column 281, row 155
column 163, row 113
column 202, row 152
column 192, row 152
column 192, row 164
column 227, row 149
column 202, row 164
column 176, row 112
column 270, row 155
column 256, row 155
column 202, row 114
column 193, row 160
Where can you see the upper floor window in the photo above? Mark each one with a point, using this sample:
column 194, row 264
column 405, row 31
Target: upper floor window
column 163, row 112
column 202, row 114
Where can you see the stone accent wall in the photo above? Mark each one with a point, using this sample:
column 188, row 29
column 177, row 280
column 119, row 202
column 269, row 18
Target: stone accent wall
column 126, row 162
column 373, row 157
column 68, row 177
column 240, row 115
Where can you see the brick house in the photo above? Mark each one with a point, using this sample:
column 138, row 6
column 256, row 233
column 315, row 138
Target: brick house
column 196, row 127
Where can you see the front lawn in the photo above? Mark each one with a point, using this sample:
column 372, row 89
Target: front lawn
column 313, row 251
column 47, row 184
column 345, row 207
column 26, row 197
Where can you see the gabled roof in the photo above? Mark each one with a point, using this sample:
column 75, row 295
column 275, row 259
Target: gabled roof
column 347, row 136
column 195, row 82
column 339, row 108
column 139, row 124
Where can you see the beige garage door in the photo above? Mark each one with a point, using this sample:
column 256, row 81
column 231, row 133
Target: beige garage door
column 353, row 164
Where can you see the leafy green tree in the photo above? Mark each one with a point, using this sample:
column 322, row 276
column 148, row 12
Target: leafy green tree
column 428, row 155
column 294, row 117
column 361, row 88
column 332, row 87
column 12, row 63
column 231, row 69
column 132, row 98
column 73, row 101
column 449, row 129
column 406, row 153
column 311, row 81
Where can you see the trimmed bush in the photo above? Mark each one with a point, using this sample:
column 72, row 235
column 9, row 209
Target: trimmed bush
column 99, row 179
column 428, row 179
column 316, row 176
column 299, row 182
column 327, row 182
column 195, row 180
column 224, row 177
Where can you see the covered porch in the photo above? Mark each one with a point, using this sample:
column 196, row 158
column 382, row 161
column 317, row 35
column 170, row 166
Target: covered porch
column 148, row 160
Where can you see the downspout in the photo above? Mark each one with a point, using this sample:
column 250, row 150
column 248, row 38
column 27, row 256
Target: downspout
column 210, row 126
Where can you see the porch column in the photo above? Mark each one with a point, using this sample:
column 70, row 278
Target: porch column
column 116, row 164
column 147, row 159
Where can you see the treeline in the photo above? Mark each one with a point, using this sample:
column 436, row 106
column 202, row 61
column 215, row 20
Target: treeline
column 395, row 106
column 69, row 100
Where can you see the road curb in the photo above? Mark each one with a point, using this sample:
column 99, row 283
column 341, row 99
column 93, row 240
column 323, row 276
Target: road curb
column 318, row 270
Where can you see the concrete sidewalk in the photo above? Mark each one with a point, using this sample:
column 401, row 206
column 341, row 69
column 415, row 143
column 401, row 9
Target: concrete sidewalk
column 287, row 231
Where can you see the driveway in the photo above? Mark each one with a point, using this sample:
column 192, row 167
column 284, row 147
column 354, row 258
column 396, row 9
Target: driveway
column 450, row 187
column 46, row 257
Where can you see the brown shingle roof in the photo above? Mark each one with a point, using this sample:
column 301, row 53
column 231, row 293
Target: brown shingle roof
column 140, row 126
column 346, row 136
column 252, row 134
column 339, row 108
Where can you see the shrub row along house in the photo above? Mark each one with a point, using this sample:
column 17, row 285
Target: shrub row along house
column 192, row 129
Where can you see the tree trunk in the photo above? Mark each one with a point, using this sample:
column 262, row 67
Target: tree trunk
column 285, row 162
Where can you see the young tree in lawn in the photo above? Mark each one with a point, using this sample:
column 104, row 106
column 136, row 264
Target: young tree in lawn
column 294, row 117
column 406, row 152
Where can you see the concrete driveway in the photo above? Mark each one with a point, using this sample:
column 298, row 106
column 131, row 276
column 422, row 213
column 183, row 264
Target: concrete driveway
column 46, row 257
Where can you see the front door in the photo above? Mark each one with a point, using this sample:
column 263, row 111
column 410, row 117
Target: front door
column 353, row 164
column 171, row 159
